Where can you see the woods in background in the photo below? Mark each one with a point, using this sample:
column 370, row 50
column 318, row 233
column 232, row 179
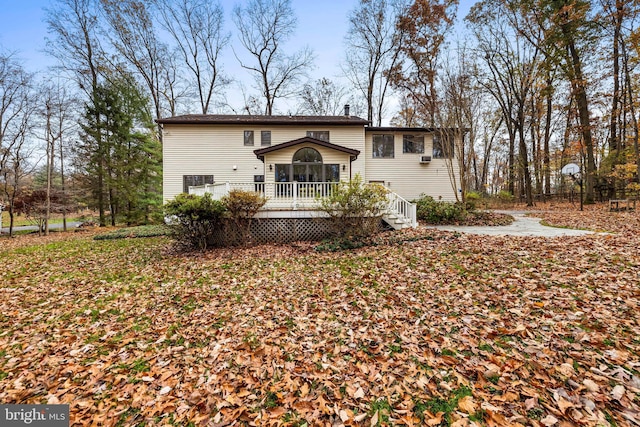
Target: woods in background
column 533, row 85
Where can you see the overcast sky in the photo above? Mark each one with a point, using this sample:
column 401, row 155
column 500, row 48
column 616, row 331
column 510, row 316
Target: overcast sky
column 322, row 25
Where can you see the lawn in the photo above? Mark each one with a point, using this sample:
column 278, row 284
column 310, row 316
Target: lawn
column 424, row 327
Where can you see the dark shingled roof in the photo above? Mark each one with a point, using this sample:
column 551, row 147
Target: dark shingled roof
column 398, row 129
column 223, row 119
column 262, row 151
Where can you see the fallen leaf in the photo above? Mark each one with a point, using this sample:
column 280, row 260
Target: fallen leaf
column 467, row 405
column 591, row 385
column 618, row 392
column 359, row 394
column 374, row 420
column 549, row 420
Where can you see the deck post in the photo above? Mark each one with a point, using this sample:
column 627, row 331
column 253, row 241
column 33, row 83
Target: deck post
column 295, row 195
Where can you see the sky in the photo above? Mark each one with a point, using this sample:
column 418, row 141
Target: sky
column 322, row 25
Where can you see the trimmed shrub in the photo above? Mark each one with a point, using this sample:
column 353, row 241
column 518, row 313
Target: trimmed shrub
column 355, row 208
column 434, row 212
column 194, row 220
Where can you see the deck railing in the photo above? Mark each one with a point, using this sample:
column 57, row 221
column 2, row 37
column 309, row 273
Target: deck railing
column 301, row 195
column 280, row 195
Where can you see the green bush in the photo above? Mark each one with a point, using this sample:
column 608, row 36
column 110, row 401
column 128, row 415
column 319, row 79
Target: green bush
column 355, row 208
column 472, row 200
column 435, row 212
column 194, row 220
column 505, row 196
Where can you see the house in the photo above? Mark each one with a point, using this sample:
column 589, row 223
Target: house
column 292, row 159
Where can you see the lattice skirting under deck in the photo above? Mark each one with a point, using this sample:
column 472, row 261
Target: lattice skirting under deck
column 278, row 230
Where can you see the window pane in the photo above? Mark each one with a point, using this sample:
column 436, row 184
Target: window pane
column 248, row 137
column 332, row 173
column 265, row 137
column 307, row 155
column 442, row 146
column 195, row 180
column 300, row 173
column 283, row 173
column 383, row 146
column 322, row 135
column 413, row 144
column 314, row 173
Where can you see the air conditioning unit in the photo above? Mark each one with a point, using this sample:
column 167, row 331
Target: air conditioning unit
column 425, row 159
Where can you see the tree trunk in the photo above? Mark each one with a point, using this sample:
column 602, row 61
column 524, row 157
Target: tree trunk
column 547, row 137
column 512, row 162
column 524, row 161
column 614, row 142
column 578, row 85
column 50, row 153
column 63, row 189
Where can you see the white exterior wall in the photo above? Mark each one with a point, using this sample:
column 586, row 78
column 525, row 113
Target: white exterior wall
column 215, row 149
column 406, row 176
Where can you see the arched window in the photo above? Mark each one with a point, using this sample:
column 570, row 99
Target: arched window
column 307, row 166
column 307, row 155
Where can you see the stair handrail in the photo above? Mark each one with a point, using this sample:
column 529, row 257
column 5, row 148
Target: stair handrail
column 403, row 208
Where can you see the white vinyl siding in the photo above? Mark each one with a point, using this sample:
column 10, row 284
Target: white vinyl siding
column 215, row 149
column 406, row 176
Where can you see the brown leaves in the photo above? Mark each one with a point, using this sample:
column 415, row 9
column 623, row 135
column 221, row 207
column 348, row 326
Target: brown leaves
column 425, row 328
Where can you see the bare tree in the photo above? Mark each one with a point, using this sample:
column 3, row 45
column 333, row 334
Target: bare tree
column 563, row 31
column 74, row 26
column 423, row 26
column 373, row 48
column 16, row 110
column 196, row 26
column 60, row 124
column 461, row 111
column 324, row 98
column 134, row 37
column 512, row 69
column 175, row 90
column 264, row 26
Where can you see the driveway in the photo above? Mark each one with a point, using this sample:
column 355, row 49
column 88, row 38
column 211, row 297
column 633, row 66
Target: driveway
column 522, row 226
column 55, row 226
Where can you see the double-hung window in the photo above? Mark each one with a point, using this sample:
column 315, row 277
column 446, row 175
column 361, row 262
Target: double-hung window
column 383, row 146
column 443, row 146
column 413, row 144
column 265, row 137
column 248, row 137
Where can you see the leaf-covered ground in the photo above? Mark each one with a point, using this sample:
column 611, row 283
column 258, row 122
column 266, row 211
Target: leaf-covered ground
column 425, row 328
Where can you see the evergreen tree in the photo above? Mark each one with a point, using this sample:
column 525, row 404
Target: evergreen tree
column 121, row 154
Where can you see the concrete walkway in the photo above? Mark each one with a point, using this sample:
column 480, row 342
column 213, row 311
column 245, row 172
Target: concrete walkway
column 55, row 226
column 522, row 226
